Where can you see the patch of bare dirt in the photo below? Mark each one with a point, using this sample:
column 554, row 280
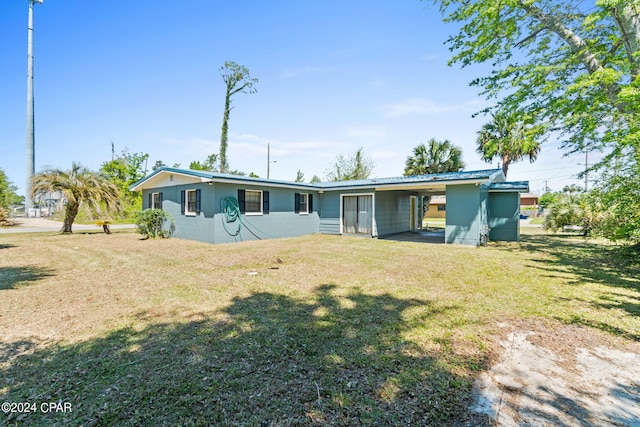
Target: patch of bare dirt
column 560, row 375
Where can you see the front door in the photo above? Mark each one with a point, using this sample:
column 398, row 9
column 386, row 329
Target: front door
column 357, row 214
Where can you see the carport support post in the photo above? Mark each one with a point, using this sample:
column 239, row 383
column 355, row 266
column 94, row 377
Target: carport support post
column 420, row 212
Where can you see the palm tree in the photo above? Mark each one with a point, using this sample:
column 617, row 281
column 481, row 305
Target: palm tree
column 77, row 186
column 435, row 157
column 506, row 138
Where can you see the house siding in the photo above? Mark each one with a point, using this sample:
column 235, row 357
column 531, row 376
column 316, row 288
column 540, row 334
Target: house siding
column 199, row 227
column 463, row 214
column 474, row 199
column 330, row 213
column 434, row 212
column 504, row 209
column 392, row 212
column 281, row 221
column 209, row 225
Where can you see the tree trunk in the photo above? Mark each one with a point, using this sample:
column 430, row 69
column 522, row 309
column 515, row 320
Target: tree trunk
column 225, row 131
column 506, row 161
column 69, row 216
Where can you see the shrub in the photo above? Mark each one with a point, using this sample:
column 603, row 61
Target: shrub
column 616, row 208
column 4, row 216
column 567, row 209
column 155, row 223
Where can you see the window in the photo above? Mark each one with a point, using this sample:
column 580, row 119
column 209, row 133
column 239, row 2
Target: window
column 155, row 200
column 303, row 203
column 253, row 202
column 442, row 208
column 190, row 201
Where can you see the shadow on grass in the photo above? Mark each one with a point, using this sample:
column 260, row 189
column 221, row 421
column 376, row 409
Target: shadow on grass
column 273, row 361
column 591, row 263
column 6, row 246
column 13, row 277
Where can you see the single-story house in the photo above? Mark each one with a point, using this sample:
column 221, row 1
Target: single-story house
column 437, row 207
column 529, row 204
column 219, row 208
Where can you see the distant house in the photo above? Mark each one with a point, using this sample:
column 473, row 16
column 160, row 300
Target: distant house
column 221, row 208
column 437, row 207
column 529, row 204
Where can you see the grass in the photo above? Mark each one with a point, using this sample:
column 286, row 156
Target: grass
column 434, row 223
column 318, row 330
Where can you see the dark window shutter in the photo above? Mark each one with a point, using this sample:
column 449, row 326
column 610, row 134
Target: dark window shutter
column 198, row 201
column 161, row 199
column 296, row 201
column 310, row 203
column 182, row 202
column 150, row 200
column 265, row 202
column 241, row 199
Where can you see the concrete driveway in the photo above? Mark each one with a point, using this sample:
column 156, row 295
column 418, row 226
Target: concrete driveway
column 35, row 225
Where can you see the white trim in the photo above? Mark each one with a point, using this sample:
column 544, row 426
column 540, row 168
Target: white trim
column 187, row 212
column 265, row 183
column 428, row 185
column 306, row 211
column 158, row 180
column 374, row 225
column 153, row 200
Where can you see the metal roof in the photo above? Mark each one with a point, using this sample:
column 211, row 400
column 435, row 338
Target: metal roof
column 520, row 186
column 208, row 176
column 491, row 176
column 482, row 175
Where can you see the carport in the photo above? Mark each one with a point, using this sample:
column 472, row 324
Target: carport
column 478, row 203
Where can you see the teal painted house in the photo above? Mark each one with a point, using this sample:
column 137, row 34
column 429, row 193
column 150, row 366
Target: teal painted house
column 221, row 208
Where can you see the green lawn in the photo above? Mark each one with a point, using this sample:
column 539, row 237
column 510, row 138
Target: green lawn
column 537, row 221
column 317, row 330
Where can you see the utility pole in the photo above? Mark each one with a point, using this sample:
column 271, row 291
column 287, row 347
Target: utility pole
column 269, row 159
column 31, row 158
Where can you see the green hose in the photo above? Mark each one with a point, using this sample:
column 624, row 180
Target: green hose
column 230, row 210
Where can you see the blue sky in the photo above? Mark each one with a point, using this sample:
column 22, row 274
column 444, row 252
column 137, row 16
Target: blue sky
column 333, row 76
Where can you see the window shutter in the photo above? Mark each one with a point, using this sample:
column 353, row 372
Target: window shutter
column 296, row 200
column 182, row 202
column 160, row 207
column 265, row 202
column 150, row 200
column 310, row 203
column 241, row 199
column 198, row 201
